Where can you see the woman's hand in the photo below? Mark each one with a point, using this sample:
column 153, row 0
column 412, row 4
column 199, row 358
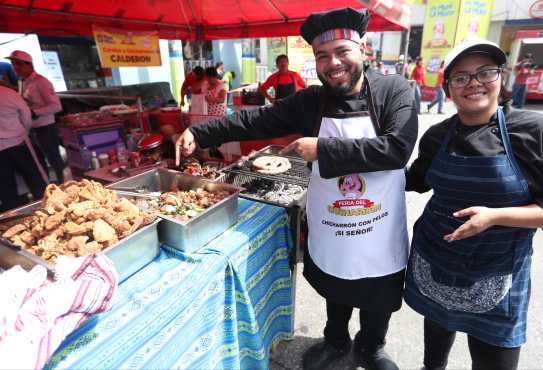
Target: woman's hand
column 480, row 219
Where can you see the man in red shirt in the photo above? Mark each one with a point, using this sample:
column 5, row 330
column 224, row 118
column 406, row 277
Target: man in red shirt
column 440, row 93
column 523, row 70
column 418, row 75
column 283, row 82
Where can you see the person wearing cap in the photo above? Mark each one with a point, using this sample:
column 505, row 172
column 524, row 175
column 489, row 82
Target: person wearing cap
column 15, row 156
column 40, row 96
column 523, row 69
column 7, row 75
column 469, row 269
column 283, row 82
column 359, row 130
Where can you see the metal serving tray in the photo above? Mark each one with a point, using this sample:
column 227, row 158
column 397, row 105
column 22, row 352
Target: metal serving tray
column 198, row 231
column 128, row 255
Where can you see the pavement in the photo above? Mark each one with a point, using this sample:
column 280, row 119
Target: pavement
column 405, row 336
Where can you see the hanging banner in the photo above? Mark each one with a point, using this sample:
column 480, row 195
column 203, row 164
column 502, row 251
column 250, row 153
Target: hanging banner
column 438, row 36
column 120, row 48
column 301, row 59
column 474, row 19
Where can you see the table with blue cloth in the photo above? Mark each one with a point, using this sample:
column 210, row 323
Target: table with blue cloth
column 221, row 307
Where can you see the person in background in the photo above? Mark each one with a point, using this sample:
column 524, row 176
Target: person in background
column 43, row 102
column 15, row 155
column 228, row 79
column 192, row 82
column 418, row 76
column 401, row 66
column 381, row 68
column 283, row 82
column 219, row 67
column 469, row 269
column 523, row 70
column 7, row 75
column 358, row 133
column 216, row 93
column 440, row 93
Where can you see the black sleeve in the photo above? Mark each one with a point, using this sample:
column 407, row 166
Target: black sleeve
column 428, row 148
column 294, row 114
column 393, row 145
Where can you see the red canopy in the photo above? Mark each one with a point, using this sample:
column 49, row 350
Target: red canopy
column 186, row 19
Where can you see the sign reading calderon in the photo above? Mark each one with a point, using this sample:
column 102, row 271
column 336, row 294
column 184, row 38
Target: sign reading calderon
column 120, row 48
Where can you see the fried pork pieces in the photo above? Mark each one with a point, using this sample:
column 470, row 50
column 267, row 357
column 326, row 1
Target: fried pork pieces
column 76, row 219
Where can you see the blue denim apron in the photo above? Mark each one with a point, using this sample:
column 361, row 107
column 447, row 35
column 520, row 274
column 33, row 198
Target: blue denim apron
column 479, row 285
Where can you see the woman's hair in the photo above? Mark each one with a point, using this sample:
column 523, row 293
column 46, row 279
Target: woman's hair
column 212, row 72
column 218, row 64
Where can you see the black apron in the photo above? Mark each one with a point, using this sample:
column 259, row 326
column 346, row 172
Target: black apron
column 284, row 90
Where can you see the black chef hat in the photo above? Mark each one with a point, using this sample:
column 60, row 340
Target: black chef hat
column 343, row 23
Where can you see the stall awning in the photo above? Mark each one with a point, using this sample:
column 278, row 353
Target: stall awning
column 187, row 19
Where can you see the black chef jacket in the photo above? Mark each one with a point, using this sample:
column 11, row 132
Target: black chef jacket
column 301, row 113
column 396, row 129
column 525, row 130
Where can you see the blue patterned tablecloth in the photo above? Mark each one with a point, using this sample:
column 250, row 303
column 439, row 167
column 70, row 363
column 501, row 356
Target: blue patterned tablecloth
column 219, row 308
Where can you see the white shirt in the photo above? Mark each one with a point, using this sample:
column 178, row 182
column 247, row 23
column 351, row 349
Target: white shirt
column 15, row 118
column 40, row 95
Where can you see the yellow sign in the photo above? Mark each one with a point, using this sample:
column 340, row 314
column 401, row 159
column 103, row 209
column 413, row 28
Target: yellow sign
column 301, row 59
column 474, row 19
column 438, row 35
column 120, row 48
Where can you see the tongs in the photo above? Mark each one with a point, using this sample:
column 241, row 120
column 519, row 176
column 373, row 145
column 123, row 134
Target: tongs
column 17, row 216
column 137, row 192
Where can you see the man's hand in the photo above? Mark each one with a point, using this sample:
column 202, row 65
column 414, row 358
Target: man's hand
column 184, row 146
column 305, row 147
column 480, row 219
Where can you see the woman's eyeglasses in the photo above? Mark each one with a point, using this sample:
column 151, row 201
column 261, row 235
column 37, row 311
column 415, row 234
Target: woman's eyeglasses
column 485, row 76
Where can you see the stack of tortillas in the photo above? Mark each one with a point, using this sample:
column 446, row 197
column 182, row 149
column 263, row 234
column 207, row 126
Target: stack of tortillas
column 271, row 165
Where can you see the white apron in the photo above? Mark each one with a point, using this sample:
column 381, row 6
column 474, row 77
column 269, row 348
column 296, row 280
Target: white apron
column 357, row 223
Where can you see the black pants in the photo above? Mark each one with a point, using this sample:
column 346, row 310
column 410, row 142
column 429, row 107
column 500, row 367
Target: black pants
column 373, row 327
column 47, row 144
column 18, row 159
column 438, row 342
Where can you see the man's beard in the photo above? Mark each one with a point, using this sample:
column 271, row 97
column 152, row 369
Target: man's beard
column 344, row 88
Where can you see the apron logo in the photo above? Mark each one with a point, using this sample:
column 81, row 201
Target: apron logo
column 352, row 187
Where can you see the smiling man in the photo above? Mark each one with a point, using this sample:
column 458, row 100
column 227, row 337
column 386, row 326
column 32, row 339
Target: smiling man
column 358, row 129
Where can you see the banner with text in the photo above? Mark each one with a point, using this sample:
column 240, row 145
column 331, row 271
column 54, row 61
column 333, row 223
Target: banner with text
column 120, row 48
column 474, row 19
column 301, row 59
column 438, row 35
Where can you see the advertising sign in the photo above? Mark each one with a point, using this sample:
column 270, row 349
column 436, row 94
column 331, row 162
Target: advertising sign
column 301, row 59
column 438, row 36
column 54, row 71
column 473, row 20
column 120, row 48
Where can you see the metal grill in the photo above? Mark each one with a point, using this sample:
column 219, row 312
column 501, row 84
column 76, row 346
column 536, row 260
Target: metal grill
column 298, row 174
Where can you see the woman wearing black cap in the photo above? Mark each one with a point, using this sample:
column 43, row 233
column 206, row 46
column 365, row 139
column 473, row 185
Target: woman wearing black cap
column 469, row 269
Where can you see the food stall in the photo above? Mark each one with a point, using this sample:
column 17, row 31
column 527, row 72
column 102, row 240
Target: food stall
column 225, row 302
